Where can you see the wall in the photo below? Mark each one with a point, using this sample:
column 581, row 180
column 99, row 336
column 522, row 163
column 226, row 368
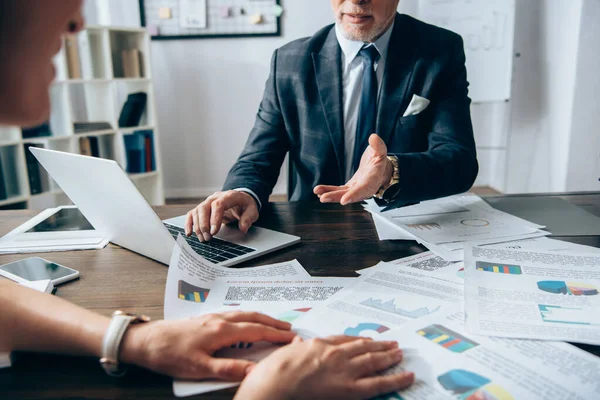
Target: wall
column 583, row 169
column 547, row 37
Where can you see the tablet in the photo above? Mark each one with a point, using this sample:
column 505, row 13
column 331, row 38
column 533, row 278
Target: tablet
column 63, row 219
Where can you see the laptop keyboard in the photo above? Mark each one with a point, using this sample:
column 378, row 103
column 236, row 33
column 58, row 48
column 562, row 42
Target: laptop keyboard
column 215, row 250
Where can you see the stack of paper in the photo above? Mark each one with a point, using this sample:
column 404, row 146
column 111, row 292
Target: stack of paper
column 446, row 225
column 419, row 302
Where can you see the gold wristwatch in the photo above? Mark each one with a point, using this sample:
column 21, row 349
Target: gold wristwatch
column 388, row 191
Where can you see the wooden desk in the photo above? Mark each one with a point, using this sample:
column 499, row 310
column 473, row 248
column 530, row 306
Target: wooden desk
column 335, row 241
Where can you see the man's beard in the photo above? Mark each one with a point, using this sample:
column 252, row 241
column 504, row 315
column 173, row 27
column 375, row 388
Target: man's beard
column 355, row 33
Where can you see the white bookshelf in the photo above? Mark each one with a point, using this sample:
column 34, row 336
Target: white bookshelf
column 99, row 95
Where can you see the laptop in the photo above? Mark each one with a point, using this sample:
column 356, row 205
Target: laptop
column 114, row 206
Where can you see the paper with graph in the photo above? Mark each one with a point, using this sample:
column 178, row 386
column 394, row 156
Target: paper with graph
column 533, row 294
column 191, row 278
column 450, row 363
column 384, row 298
column 190, row 282
column 283, row 299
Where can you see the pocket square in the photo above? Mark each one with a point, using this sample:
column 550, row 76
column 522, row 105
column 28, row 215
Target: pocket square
column 416, row 106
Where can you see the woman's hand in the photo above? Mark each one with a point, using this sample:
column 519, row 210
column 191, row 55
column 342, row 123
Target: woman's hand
column 338, row 367
column 184, row 348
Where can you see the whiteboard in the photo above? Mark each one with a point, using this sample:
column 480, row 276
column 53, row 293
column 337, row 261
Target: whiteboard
column 487, row 28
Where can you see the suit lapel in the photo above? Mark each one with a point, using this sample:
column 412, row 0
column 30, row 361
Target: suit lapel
column 399, row 67
column 328, row 71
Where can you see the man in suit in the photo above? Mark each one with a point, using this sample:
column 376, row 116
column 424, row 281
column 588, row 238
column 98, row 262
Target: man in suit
column 373, row 71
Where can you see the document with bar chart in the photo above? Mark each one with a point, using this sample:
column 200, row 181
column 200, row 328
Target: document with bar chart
column 191, row 279
column 451, row 363
column 383, row 299
column 190, row 283
column 532, row 294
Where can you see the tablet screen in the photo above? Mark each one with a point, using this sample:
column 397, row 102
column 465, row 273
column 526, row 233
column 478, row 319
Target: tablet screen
column 65, row 219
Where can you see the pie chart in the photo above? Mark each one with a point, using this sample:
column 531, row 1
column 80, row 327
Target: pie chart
column 567, row 288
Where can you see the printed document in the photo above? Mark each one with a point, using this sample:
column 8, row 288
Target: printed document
column 450, row 363
column 382, row 299
column 191, row 278
column 533, row 294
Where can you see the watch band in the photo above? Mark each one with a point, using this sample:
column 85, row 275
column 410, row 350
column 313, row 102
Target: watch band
column 113, row 337
column 394, row 179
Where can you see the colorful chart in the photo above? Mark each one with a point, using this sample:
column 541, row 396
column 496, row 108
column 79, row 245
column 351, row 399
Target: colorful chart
column 490, row 391
column 568, row 288
column 461, row 273
column 447, row 338
column 192, row 293
column 466, row 384
column 290, row 316
column 365, row 326
column 390, row 306
column 567, row 315
column 425, row 227
column 498, row 268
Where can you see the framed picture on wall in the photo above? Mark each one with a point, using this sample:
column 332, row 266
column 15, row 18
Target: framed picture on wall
column 210, row 19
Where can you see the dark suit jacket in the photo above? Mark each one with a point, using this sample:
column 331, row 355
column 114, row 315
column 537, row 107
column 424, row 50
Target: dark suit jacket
column 302, row 107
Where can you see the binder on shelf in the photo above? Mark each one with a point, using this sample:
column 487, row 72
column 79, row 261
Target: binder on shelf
column 42, row 130
column 38, row 178
column 131, row 60
column 95, row 149
column 85, row 148
column 3, row 192
column 134, row 152
column 133, row 109
column 91, row 126
column 139, row 152
column 72, row 51
column 88, row 146
column 148, row 149
column 85, row 56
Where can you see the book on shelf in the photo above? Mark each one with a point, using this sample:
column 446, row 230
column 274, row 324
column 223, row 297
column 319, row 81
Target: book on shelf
column 85, row 56
column 3, row 192
column 139, row 152
column 72, row 52
column 88, row 146
column 39, row 181
column 42, row 130
column 91, row 126
column 131, row 60
column 10, row 161
column 133, row 109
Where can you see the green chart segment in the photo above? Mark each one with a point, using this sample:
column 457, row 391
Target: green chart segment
column 498, row 268
column 192, row 293
column 447, row 338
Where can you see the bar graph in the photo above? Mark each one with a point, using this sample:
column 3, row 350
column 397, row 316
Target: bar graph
column 568, row 315
column 447, row 338
column 192, row 293
column 390, row 306
column 498, row 268
column 425, row 227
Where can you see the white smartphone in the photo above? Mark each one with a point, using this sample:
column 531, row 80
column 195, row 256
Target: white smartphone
column 35, row 269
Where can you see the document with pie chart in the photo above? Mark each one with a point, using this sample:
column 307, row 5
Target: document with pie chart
column 383, row 299
column 533, row 294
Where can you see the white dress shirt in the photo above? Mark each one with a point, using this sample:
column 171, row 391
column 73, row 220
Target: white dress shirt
column 352, row 74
